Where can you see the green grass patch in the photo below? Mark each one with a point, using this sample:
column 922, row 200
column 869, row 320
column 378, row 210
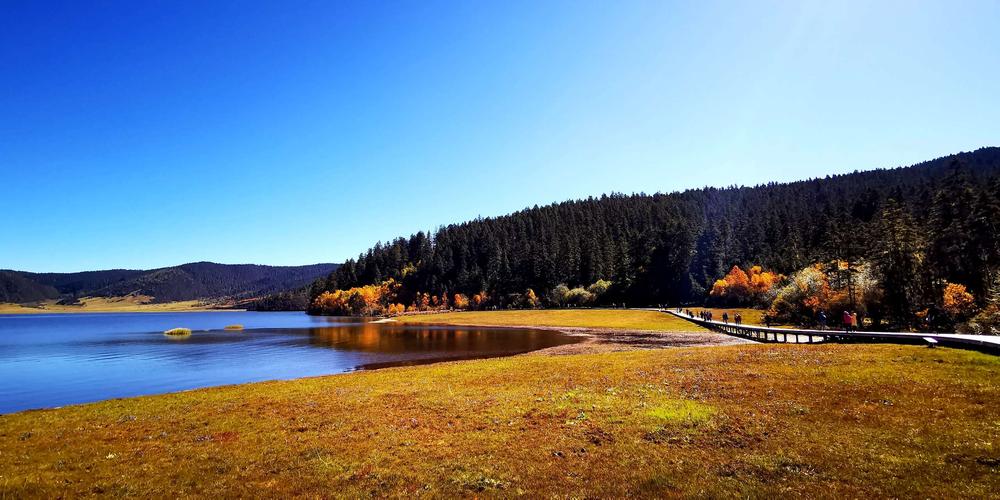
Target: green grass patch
column 682, row 411
column 178, row 332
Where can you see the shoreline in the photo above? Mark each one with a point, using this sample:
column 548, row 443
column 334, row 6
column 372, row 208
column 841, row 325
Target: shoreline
column 604, row 340
column 109, row 305
column 38, row 312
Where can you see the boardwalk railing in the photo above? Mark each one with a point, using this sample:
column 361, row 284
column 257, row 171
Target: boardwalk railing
column 989, row 343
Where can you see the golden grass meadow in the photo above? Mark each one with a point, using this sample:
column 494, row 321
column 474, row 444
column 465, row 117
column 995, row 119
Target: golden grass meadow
column 748, row 420
column 106, row 304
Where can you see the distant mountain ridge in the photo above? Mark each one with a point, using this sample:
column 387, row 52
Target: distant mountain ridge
column 193, row 281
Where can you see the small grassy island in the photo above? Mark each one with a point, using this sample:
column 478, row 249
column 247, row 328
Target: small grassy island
column 234, row 327
column 738, row 420
column 178, row 332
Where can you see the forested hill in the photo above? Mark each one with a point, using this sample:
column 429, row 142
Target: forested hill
column 670, row 248
column 199, row 280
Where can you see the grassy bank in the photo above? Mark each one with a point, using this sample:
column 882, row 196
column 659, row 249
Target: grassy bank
column 106, row 304
column 584, row 318
column 750, row 420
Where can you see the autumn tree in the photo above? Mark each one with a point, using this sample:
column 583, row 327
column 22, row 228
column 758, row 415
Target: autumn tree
column 530, row 299
column 740, row 288
column 807, row 293
column 480, row 300
column 957, row 302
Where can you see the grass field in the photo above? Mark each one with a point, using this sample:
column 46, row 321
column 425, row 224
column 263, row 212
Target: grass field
column 751, row 420
column 615, row 319
column 106, row 304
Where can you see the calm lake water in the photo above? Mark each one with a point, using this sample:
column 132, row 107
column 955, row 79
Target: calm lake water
column 58, row 359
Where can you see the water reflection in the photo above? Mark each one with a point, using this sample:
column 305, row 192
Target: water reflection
column 426, row 344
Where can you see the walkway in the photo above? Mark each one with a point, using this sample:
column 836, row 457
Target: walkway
column 990, row 343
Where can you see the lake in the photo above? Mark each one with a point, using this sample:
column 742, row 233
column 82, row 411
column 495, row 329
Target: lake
column 58, row 359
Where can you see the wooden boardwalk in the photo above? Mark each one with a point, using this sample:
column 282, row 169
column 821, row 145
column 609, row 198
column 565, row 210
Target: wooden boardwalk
column 986, row 343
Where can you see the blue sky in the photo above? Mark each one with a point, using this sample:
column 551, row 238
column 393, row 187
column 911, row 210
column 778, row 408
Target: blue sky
column 147, row 134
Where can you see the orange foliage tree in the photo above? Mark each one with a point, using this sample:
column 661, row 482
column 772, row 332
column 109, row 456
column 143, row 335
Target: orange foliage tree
column 460, row 301
column 368, row 300
column 480, row 299
column 957, row 302
column 739, row 288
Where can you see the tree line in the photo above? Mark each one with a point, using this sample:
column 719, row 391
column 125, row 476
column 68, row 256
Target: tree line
column 911, row 231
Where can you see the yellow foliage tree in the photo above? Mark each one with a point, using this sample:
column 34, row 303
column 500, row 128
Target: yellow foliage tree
column 957, row 302
column 531, row 300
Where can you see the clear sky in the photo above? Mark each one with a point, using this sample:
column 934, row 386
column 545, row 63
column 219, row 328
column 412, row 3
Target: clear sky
column 147, row 134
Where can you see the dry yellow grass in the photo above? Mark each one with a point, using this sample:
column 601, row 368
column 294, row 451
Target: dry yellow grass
column 826, row 421
column 107, row 304
column 615, row 319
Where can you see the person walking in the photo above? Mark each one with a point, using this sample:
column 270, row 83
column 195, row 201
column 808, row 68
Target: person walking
column 822, row 320
column 725, row 318
column 739, row 319
column 854, row 321
column 847, row 322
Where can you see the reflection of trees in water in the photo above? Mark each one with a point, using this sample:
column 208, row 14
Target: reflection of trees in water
column 391, row 339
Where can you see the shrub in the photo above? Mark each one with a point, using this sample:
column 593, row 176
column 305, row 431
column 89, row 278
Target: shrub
column 178, row 332
column 579, row 297
column 557, row 296
column 599, row 288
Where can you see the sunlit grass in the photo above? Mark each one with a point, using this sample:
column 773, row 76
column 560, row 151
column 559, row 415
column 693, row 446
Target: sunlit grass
column 682, row 411
column 178, row 332
column 618, row 319
column 824, row 421
column 234, row 327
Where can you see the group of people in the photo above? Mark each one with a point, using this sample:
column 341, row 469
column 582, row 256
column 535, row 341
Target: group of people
column 704, row 314
column 708, row 315
column 737, row 318
column 850, row 321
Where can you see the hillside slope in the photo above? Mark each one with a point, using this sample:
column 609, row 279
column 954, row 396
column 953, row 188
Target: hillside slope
column 194, row 281
column 670, row 248
column 15, row 287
